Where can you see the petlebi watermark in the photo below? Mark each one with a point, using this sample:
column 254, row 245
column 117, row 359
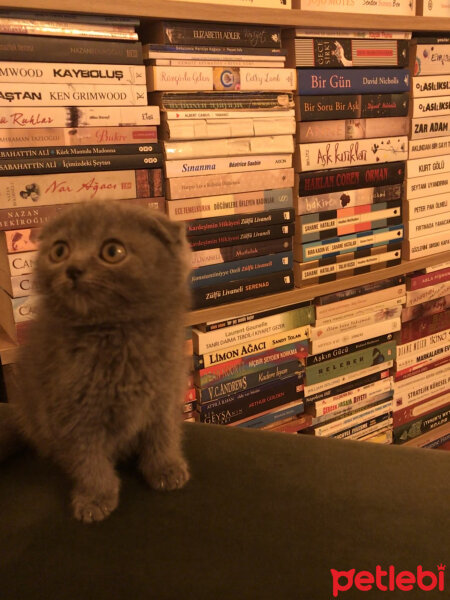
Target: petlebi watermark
column 388, row 579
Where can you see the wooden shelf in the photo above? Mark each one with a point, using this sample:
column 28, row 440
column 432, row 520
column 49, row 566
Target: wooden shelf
column 8, row 350
column 170, row 9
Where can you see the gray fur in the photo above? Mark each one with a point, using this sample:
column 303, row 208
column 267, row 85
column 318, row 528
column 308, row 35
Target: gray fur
column 104, row 372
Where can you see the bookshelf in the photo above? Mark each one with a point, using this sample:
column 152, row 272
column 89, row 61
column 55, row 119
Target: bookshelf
column 172, row 9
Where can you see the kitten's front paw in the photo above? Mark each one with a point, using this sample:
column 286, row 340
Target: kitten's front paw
column 170, row 477
column 89, row 510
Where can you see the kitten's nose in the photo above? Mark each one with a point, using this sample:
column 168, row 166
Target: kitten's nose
column 73, row 272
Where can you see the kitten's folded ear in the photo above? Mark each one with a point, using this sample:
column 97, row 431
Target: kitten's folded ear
column 171, row 233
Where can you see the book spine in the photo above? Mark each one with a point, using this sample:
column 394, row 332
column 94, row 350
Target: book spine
column 217, row 61
column 419, row 167
column 422, row 425
column 220, row 224
column 22, row 285
column 430, row 107
column 366, row 428
column 426, row 309
column 421, row 344
column 255, row 3
column 45, row 49
column 24, row 309
column 285, row 419
column 231, row 409
column 27, row 190
column 204, row 342
column 192, row 115
column 356, row 81
column 350, row 421
column 418, row 282
column 253, row 379
column 415, row 389
column 18, row 72
column 223, row 254
column 348, row 243
column 419, row 187
column 427, row 245
column 429, row 226
column 351, row 106
column 401, row 8
column 350, row 178
column 373, row 313
column 319, row 403
column 253, row 287
column 346, row 153
column 341, row 351
column 356, row 361
column 323, row 387
column 350, row 33
column 238, row 367
column 89, row 19
column 431, row 59
column 65, row 30
column 300, row 334
column 340, row 52
column 152, row 51
column 240, row 269
column 216, row 34
column 69, row 151
column 195, row 129
column 381, row 327
column 39, row 166
column 223, row 101
column 436, row 85
column 37, row 216
column 21, row 263
column 168, row 78
column 318, row 226
column 351, row 129
column 64, row 94
column 188, row 187
column 347, row 265
column 415, row 411
column 306, row 308
column 71, row 117
column 435, row 146
column 348, row 199
column 423, row 295
column 75, row 141
column 229, row 147
column 430, row 127
column 20, row 240
column 232, row 238
column 218, row 207
column 360, row 296
column 234, row 164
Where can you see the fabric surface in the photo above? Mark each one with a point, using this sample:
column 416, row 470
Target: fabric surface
column 265, row 516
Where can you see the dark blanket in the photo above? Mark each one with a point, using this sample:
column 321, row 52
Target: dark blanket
column 265, row 516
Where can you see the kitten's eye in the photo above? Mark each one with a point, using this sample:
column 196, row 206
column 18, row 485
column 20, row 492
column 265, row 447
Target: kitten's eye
column 59, row 252
column 113, row 252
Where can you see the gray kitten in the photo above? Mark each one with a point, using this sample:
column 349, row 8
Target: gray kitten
column 104, row 372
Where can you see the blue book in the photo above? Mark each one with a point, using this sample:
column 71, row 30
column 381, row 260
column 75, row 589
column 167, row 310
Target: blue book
column 241, row 269
column 352, row 81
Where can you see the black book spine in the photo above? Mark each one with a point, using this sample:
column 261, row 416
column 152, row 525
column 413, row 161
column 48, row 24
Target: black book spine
column 97, row 150
column 352, row 106
column 41, row 166
column 235, row 291
column 47, row 49
column 220, row 34
column 231, row 238
column 198, row 227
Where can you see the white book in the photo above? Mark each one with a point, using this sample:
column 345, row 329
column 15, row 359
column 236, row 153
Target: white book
column 197, row 129
column 370, row 7
column 274, row 115
column 353, row 33
column 232, row 164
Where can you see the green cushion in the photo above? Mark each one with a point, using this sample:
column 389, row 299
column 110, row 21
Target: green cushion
column 265, row 516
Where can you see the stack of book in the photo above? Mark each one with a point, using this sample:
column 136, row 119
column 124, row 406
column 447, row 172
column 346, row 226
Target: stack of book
column 227, row 123
column 427, row 206
column 249, row 369
column 74, row 126
column 352, row 108
column 422, row 379
column 348, row 381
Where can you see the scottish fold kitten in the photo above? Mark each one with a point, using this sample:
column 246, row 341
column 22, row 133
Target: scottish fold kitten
column 104, row 372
